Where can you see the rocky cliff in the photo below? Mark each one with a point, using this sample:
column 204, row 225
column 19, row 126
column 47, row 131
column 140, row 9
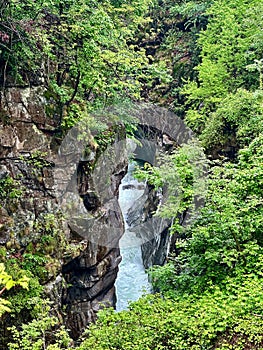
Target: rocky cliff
column 79, row 271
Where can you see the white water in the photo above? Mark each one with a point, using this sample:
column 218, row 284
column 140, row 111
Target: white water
column 132, row 281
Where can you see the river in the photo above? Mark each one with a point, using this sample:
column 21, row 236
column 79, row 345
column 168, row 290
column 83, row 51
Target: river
column 132, row 281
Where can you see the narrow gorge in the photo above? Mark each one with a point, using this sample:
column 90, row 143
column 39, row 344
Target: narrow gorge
column 67, row 194
column 131, row 153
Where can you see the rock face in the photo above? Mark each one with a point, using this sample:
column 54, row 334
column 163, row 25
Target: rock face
column 92, row 286
column 92, row 274
column 82, row 253
column 25, row 173
column 153, row 231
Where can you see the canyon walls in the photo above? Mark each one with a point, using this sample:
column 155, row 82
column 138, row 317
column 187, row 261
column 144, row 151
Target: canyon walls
column 59, row 201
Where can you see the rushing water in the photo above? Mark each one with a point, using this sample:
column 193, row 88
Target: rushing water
column 132, row 280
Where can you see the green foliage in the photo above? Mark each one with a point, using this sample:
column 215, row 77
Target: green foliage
column 194, row 12
column 228, row 45
column 36, row 263
column 37, row 160
column 44, row 332
column 80, row 50
column 237, row 120
column 182, row 175
column 170, row 40
column 185, row 322
column 226, row 238
column 45, row 243
column 23, row 299
column 10, row 189
column 257, row 66
column 6, row 283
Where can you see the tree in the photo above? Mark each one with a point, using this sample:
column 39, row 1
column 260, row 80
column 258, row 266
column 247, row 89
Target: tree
column 230, row 43
column 226, row 239
column 80, row 50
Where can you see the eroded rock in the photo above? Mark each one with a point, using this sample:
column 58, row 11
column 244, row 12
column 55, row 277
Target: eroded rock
column 81, row 271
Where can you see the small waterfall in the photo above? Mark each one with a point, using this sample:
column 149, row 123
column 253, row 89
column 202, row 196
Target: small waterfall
column 132, row 280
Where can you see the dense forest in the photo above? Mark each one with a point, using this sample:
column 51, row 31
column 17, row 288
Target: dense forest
column 203, row 60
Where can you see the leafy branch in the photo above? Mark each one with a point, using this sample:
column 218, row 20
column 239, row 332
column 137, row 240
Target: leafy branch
column 6, row 283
